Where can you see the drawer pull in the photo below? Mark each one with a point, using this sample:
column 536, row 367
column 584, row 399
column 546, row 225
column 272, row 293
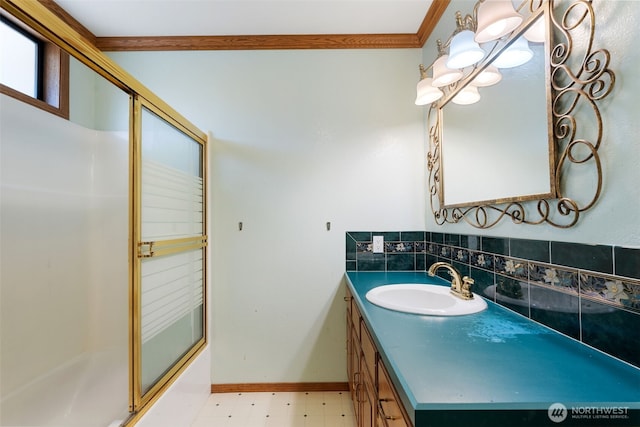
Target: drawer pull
column 381, row 410
column 358, row 388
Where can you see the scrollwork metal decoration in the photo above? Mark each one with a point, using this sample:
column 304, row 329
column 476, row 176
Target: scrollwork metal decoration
column 579, row 78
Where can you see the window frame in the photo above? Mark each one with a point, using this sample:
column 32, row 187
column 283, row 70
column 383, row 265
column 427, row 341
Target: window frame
column 52, row 74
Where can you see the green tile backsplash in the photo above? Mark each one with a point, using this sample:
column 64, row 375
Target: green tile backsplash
column 588, row 292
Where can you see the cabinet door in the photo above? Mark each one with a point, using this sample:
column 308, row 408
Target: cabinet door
column 367, row 398
column 368, row 373
column 353, row 364
column 390, row 410
column 361, row 367
column 362, row 388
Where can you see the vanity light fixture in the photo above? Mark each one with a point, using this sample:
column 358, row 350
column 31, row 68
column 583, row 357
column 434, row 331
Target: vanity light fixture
column 467, row 96
column 488, row 77
column 426, row 93
column 490, row 21
column 495, row 19
column 463, row 49
column 518, row 53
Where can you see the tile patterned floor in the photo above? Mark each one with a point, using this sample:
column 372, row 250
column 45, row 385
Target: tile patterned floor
column 277, row 409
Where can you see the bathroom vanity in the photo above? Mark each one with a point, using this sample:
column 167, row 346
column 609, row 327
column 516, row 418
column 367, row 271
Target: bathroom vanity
column 492, row 368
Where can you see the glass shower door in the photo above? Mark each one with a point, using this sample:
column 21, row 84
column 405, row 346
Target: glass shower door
column 169, row 281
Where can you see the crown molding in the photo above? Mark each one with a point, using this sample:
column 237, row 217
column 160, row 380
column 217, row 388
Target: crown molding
column 265, row 42
column 431, row 19
column 260, row 42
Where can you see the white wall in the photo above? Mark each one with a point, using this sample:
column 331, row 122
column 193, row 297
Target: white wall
column 298, row 139
column 613, row 220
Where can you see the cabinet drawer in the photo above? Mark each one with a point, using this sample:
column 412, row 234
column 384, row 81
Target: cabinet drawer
column 355, row 318
column 391, row 413
column 352, row 319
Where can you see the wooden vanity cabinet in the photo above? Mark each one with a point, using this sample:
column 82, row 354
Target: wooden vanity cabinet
column 375, row 401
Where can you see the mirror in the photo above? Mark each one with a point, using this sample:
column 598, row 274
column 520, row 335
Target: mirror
column 500, row 137
column 509, row 155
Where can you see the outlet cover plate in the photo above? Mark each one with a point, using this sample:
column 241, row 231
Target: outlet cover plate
column 378, row 244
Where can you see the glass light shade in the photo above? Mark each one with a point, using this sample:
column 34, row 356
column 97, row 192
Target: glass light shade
column 488, row 77
column 468, row 95
column 464, row 51
column 443, row 76
column 496, row 18
column 537, row 32
column 426, row 93
column 515, row 55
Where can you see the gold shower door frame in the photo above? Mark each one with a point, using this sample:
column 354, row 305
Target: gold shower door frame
column 147, row 249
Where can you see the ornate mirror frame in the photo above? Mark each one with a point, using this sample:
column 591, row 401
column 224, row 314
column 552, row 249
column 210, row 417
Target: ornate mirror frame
column 579, row 76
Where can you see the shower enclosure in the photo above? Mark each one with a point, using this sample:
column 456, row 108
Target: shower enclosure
column 103, row 245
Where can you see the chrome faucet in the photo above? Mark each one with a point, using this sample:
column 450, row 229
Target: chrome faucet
column 460, row 286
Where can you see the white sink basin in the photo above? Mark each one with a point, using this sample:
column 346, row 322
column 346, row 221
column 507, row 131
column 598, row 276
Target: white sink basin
column 432, row 300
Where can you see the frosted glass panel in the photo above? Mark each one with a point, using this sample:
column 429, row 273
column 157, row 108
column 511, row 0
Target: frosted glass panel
column 172, row 202
column 172, row 279
column 172, row 305
column 173, row 287
column 172, row 186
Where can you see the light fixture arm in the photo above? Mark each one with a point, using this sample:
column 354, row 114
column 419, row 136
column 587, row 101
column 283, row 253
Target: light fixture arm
column 467, row 22
column 423, row 71
column 442, row 48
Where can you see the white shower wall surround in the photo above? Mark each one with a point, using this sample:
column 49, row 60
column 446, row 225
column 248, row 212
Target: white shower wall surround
column 64, row 266
column 79, row 393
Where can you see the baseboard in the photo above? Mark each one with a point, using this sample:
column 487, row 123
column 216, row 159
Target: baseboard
column 279, row 387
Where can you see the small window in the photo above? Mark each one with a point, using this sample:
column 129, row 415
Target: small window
column 32, row 69
column 20, row 64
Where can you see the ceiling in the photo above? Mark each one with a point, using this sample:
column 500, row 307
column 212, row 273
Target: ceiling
column 157, row 18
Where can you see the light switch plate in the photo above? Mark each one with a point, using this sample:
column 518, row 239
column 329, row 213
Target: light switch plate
column 378, row 244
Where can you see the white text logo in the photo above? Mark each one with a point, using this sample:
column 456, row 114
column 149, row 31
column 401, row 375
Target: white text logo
column 557, row 412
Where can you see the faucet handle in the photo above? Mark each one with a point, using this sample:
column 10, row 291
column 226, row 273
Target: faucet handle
column 466, row 287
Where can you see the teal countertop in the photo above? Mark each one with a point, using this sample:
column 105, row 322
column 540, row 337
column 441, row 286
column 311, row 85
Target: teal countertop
column 494, row 368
